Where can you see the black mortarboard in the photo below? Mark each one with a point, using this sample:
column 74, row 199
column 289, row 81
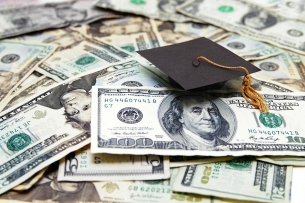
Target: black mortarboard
column 177, row 62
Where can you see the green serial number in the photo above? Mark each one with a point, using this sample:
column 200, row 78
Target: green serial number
column 150, row 189
column 130, row 100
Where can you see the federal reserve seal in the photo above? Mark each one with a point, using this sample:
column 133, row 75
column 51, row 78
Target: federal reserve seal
column 85, row 60
column 295, row 33
column 18, row 142
column 152, row 182
column 129, row 48
column 131, row 84
column 10, row 58
column 270, row 120
column 130, row 115
column 241, row 164
column 269, row 66
column 236, row 45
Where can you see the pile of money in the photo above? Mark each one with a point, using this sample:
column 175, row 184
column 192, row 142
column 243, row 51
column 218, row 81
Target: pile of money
column 85, row 118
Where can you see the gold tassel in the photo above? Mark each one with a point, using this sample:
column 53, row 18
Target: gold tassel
column 249, row 94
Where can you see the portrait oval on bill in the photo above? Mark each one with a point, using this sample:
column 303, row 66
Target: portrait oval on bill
column 197, row 121
column 259, row 20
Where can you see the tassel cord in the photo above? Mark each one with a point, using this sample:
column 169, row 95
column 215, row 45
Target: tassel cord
column 249, row 94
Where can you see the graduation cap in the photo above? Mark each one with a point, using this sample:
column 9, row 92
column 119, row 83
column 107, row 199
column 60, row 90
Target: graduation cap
column 177, row 62
column 201, row 63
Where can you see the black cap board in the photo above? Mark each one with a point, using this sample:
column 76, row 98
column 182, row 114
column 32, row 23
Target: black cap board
column 177, row 62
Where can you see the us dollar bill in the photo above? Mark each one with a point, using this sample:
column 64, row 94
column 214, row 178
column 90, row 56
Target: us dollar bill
column 78, row 12
column 153, row 191
column 20, row 20
column 178, row 161
column 63, row 37
column 37, row 86
column 257, row 83
column 293, row 9
column 31, row 181
column 284, row 160
column 24, row 3
column 30, row 79
column 287, row 68
column 134, row 42
column 16, row 21
column 173, row 33
column 159, row 9
column 198, row 29
column 147, row 120
column 81, row 165
column 249, row 49
column 130, row 33
column 241, row 178
column 18, row 60
column 86, row 55
column 48, row 189
column 248, row 20
column 47, row 126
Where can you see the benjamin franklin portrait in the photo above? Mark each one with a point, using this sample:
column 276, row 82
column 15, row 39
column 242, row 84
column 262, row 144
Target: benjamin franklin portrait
column 197, row 121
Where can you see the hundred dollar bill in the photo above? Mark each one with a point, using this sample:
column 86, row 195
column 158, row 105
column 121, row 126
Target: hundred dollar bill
column 86, row 55
column 249, row 49
column 84, row 166
column 18, row 60
column 49, row 125
column 175, row 122
column 287, row 68
column 248, row 20
column 173, row 33
column 160, row 9
column 152, row 191
column 293, row 9
column 241, row 178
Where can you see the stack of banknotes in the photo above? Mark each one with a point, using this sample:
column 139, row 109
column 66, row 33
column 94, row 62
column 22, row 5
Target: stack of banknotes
column 85, row 118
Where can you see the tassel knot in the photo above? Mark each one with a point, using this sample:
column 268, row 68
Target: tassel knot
column 249, row 94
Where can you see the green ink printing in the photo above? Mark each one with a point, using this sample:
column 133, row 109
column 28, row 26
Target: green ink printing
column 270, row 120
column 18, row 142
